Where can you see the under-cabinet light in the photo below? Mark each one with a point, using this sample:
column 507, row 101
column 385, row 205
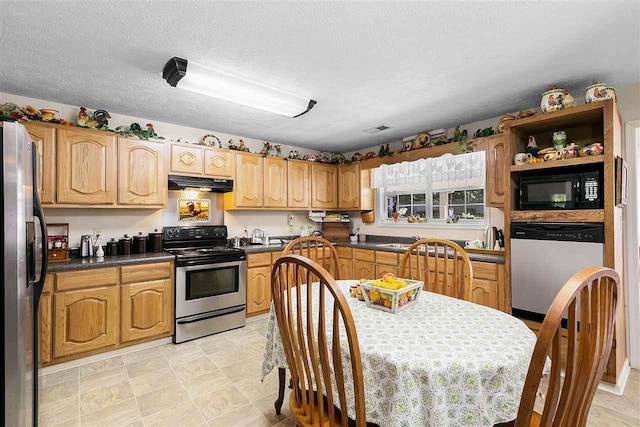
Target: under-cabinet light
column 192, row 76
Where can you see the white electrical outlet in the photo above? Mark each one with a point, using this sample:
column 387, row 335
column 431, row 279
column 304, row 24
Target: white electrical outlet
column 291, row 219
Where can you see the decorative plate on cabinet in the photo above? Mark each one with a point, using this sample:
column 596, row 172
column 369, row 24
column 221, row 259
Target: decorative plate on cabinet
column 210, row 141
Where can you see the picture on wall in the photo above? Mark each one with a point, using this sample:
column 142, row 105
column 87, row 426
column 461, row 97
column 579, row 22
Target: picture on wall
column 193, row 210
column 622, row 182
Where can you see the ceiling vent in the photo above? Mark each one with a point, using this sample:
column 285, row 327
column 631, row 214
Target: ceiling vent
column 377, row 129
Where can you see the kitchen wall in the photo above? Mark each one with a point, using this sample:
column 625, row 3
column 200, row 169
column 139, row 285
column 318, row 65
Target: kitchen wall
column 116, row 222
column 628, row 106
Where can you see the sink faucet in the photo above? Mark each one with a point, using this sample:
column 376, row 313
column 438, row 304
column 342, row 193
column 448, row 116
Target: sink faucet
column 416, row 237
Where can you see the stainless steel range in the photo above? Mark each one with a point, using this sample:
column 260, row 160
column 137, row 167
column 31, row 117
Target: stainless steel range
column 211, row 281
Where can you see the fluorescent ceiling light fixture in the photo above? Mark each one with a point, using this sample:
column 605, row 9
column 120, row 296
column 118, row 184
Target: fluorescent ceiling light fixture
column 192, row 76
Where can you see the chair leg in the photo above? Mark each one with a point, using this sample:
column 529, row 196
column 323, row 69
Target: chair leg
column 282, row 374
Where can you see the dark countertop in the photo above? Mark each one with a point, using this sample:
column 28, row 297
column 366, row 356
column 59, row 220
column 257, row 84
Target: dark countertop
column 110, row 261
column 497, row 258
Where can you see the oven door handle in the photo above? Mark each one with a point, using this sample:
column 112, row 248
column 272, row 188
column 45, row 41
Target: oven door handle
column 206, row 316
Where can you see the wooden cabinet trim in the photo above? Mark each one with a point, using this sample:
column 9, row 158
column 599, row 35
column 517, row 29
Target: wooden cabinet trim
column 257, row 260
column 145, row 272
column 86, row 278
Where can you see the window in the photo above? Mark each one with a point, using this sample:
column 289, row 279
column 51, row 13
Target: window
column 443, row 190
column 466, row 204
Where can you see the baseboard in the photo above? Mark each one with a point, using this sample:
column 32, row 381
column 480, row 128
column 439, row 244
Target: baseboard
column 102, row 356
column 617, row 388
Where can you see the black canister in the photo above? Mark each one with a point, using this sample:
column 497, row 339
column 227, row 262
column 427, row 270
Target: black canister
column 125, row 245
column 139, row 244
column 154, row 241
column 112, row 247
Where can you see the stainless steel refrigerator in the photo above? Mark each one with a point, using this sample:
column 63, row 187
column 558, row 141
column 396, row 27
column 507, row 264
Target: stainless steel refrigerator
column 24, row 265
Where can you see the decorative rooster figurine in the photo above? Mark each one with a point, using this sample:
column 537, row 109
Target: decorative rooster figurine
column 568, row 100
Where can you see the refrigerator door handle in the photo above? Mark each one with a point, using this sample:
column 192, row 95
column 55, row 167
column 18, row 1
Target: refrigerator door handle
column 39, row 213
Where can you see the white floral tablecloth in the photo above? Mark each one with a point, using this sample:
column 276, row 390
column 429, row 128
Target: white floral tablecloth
column 442, row 362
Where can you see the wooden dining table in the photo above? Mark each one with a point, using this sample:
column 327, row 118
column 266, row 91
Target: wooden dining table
column 440, row 362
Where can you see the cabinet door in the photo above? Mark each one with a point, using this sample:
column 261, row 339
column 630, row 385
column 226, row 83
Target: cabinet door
column 496, row 164
column 275, row 182
column 249, row 181
column 485, row 292
column 324, row 186
column 85, row 320
column 258, row 289
column 142, row 177
column 364, row 269
column 218, row 163
column 349, row 186
column 186, row 160
column 345, row 267
column 45, row 139
column 146, row 309
column 298, row 184
column 86, row 167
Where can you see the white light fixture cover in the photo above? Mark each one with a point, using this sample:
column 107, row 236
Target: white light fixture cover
column 218, row 84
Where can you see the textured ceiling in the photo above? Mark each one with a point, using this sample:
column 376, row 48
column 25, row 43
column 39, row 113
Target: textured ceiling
column 409, row 65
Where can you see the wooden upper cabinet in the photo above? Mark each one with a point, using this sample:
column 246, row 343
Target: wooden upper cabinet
column 349, row 186
column 146, row 309
column 85, row 320
column 186, row 160
column 217, row 163
column 248, row 185
column 324, row 186
column 298, row 180
column 87, row 163
column 496, row 173
column 45, row 139
column 275, row 182
column 142, row 176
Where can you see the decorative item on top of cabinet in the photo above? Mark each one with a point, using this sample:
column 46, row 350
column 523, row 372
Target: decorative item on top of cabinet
column 45, row 139
column 142, row 175
column 552, row 99
column 324, row 186
column 87, row 165
column 298, row 184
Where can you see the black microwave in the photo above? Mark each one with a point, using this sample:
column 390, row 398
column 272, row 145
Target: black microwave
column 582, row 190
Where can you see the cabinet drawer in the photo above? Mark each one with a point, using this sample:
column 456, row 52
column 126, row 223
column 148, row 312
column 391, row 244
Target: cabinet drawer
column 256, row 260
column 88, row 278
column 389, row 258
column 145, row 272
column 345, row 252
column 485, row 270
column 364, row 255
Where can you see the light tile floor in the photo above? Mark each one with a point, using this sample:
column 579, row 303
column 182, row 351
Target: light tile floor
column 212, row 381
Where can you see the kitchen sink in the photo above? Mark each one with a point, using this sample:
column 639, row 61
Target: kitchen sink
column 404, row 246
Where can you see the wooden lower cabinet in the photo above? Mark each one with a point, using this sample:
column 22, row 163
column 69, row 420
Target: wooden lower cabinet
column 258, row 289
column 488, row 287
column 345, row 268
column 85, row 320
column 364, row 269
column 46, row 326
column 146, row 309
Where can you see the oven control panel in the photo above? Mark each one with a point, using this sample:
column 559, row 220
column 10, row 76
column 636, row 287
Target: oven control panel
column 195, row 233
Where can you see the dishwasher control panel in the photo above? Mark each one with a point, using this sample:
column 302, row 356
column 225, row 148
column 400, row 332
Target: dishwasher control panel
column 567, row 232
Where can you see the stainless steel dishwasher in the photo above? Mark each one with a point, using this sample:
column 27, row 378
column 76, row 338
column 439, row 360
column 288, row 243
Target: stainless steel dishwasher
column 544, row 256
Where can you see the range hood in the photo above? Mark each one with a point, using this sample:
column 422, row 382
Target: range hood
column 216, row 185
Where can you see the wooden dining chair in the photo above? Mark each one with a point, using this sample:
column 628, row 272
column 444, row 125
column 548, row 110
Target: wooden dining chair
column 590, row 300
column 449, row 274
column 310, row 324
column 317, row 249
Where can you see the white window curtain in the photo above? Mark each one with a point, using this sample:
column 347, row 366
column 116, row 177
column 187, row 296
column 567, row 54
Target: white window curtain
column 405, row 176
column 447, row 172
